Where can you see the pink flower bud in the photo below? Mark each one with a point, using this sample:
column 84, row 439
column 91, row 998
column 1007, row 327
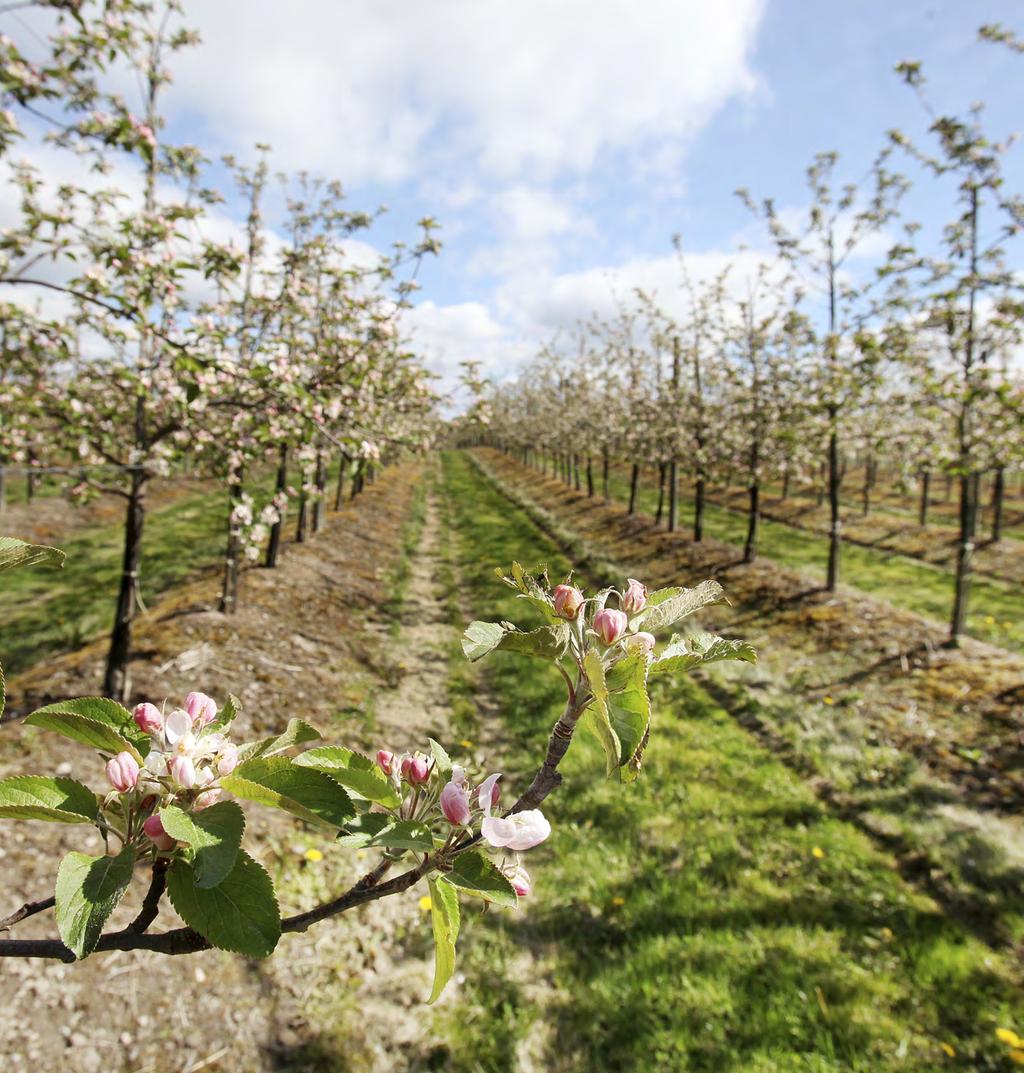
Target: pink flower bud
column 202, row 708
column 385, row 760
column 123, row 772
column 567, row 600
column 646, row 641
column 520, row 880
column 155, row 832
column 610, row 625
column 149, row 718
column 183, row 771
column 419, row 771
column 404, row 764
column 455, row 804
column 227, row 759
column 634, row 599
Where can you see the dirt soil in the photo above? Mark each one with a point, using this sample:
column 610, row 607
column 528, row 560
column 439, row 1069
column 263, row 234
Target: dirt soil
column 311, row 638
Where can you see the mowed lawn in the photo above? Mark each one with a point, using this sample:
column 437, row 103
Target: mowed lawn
column 714, row 916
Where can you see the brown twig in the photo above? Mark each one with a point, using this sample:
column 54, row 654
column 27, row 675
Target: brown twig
column 29, row 909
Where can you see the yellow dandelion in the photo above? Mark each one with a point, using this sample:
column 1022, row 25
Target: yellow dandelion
column 887, row 934
column 425, row 903
column 827, row 700
column 1017, row 1057
column 1009, row 1037
column 618, row 901
column 818, row 852
column 990, row 620
column 313, row 855
column 466, row 743
column 948, row 1049
column 1007, row 625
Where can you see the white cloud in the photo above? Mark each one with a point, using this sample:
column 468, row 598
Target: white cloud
column 525, row 90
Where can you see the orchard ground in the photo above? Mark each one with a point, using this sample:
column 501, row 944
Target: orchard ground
column 819, row 869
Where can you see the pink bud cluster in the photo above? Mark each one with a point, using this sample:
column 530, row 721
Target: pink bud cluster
column 185, row 759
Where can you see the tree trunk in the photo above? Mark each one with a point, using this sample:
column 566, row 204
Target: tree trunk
column 116, row 680
column 576, row 472
column 634, row 485
column 785, row 486
column 673, row 495
column 834, row 529
column 998, row 495
column 320, row 504
column 865, row 502
column 605, row 463
column 229, row 588
column 359, row 480
column 3, row 487
column 339, row 492
column 274, row 546
column 926, row 487
column 302, row 525
column 698, row 510
column 590, row 477
column 964, row 555
column 661, row 493
column 753, row 522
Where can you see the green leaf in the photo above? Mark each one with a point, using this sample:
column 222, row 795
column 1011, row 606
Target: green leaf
column 444, row 915
column 297, row 732
column 475, row 873
column 214, row 833
column 684, row 653
column 16, row 553
column 304, row 792
column 629, row 708
column 442, row 761
column 239, row 914
column 88, row 890
column 672, row 608
column 100, row 735
column 226, row 716
column 595, row 718
column 385, row 832
column 357, row 773
column 37, row 797
column 482, row 638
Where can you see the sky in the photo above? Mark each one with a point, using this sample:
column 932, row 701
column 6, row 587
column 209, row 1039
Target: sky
column 562, row 143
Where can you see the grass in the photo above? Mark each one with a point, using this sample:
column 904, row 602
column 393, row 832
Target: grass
column 996, row 609
column 715, row 916
column 401, row 570
column 43, row 611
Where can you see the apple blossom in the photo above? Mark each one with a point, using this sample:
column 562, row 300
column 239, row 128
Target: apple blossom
column 520, row 831
column 154, row 830
column 202, row 708
column 518, row 876
column 634, row 599
column 567, row 601
column 385, row 760
column 182, row 770
column 646, row 641
column 149, row 718
column 454, row 803
column 123, row 772
column 489, row 792
column 610, row 625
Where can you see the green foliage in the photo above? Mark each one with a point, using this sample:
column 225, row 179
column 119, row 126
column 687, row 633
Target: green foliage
column 38, row 797
column 16, row 553
column 88, row 722
column 685, row 653
column 304, row 792
column 297, row 732
column 357, row 773
column 667, row 606
column 478, row 875
column 379, row 830
column 215, row 835
column 444, row 915
column 239, row 914
column 482, row 638
column 88, row 890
